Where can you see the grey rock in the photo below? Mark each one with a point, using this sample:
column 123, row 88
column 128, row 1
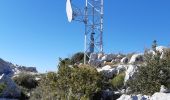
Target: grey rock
column 10, row 69
column 100, row 55
column 163, row 89
column 136, row 58
column 11, row 89
column 93, row 56
column 124, row 60
column 5, row 68
column 96, row 63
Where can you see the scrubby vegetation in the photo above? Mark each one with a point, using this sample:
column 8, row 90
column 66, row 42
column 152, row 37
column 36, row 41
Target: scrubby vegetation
column 118, row 81
column 70, row 83
column 26, row 83
column 152, row 75
column 2, row 87
column 26, row 80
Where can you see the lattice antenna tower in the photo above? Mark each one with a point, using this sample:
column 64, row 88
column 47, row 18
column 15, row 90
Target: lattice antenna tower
column 90, row 13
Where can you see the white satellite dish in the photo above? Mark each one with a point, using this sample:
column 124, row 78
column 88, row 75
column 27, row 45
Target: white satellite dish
column 69, row 10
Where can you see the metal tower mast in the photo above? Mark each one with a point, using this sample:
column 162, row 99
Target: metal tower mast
column 92, row 17
column 93, row 27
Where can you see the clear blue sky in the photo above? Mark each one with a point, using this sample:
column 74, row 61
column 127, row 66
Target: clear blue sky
column 36, row 32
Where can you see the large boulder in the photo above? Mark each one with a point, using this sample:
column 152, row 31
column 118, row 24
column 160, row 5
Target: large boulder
column 160, row 96
column 100, row 55
column 131, row 69
column 96, row 63
column 124, row 60
column 107, row 71
column 155, row 96
column 160, row 49
column 11, row 89
column 163, row 89
column 134, row 97
column 136, row 58
column 108, row 57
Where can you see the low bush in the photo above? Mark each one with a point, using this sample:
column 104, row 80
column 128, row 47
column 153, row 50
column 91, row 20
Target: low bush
column 2, row 87
column 152, row 75
column 118, row 81
column 26, row 80
column 69, row 83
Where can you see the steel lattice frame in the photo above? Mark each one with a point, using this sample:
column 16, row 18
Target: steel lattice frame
column 92, row 16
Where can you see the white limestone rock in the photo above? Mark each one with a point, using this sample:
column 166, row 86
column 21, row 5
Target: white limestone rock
column 100, row 55
column 131, row 69
column 104, row 58
column 163, row 89
column 155, row 96
column 107, row 71
column 136, row 58
column 134, row 97
column 124, row 60
column 108, row 57
column 160, row 96
column 161, row 48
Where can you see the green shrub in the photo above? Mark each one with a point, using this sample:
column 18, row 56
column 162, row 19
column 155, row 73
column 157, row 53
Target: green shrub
column 152, row 75
column 118, row 81
column 68, row 83
column 85, row 80
column 47, row 88
column 26, row 80
column 2, row 87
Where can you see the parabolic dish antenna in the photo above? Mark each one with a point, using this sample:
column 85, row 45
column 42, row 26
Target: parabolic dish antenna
column 69, row 10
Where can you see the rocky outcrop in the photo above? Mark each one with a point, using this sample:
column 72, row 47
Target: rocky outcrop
column 6, row 68
column 10, row 69
column 11, row 89
column 98, row 60
column 136, row 58
column 124, row 60
column 131, row 69
column 109, row 71
column 160, row 49
column 134, row 97
column 155, row 96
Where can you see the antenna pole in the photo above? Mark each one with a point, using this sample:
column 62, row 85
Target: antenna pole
column 85, row 36
column 101, row 25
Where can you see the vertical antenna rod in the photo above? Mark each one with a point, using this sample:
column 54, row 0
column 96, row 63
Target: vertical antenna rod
column 101, row 26
column 85, row 36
